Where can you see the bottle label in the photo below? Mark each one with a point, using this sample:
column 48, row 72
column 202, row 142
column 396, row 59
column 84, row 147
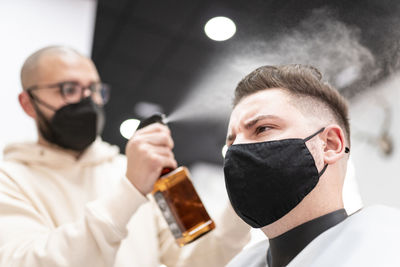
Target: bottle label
column 168, row 216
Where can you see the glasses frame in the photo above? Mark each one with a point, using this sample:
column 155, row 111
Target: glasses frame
column 60, row 85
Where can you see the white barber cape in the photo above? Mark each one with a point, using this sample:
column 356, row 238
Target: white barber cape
column 370, row 237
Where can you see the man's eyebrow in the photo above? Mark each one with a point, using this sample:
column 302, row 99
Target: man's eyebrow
column 250, row 123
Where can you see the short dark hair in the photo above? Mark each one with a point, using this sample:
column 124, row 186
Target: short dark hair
column 302, row 81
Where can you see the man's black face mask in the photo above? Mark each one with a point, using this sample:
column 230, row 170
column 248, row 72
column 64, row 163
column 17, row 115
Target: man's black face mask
column 266, row 180
column 74, row 126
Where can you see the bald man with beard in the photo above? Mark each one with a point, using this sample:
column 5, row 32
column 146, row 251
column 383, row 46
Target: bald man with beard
column 71, row 199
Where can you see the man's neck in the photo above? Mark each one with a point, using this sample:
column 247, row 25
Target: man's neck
column 284, row 248
column 314, row 205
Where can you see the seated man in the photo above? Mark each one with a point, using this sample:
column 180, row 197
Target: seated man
column 289, row 140
column 71, row 199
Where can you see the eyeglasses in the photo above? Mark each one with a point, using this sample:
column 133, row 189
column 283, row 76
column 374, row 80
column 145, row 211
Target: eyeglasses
column 73, row 92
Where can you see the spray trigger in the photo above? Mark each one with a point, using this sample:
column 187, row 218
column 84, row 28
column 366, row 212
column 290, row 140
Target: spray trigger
column 157, row 117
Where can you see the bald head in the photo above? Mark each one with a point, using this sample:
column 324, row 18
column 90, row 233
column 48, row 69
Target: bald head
column 31, row 69
column 49, row 67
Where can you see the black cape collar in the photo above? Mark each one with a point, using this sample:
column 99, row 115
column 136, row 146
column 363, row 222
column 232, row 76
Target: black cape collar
column 282, row 249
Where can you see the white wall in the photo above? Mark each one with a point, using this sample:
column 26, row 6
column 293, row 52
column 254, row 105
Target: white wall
column 378, row 175
column 28, row 25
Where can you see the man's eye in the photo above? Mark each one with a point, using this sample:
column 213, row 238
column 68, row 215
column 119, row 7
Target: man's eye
column 70, row 90
column 261, row 129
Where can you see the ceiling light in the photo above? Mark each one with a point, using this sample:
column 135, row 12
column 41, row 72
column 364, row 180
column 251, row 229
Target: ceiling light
column 220, row 28
column 129, row 127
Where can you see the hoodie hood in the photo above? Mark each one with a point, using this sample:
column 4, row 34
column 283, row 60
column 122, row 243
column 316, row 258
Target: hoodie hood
column 36, row 154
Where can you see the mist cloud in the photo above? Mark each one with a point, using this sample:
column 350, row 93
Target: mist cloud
column 320, row 40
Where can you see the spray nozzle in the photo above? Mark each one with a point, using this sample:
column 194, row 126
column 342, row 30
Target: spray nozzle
column 157, row 117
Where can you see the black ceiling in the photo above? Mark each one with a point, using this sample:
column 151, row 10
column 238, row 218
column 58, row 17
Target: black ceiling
column 155, row 50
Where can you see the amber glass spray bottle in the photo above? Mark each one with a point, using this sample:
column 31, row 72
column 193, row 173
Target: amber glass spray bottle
column 178, row 201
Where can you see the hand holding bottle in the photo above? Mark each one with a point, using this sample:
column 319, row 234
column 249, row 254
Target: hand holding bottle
column 148, row 152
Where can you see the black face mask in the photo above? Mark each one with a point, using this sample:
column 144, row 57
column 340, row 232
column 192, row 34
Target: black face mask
column 266, row 180
column 74, row 126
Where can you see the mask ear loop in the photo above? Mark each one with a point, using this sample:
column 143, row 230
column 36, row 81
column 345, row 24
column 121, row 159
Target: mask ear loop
column 308, row 138
column 346, row 149
column 36, row 99
column 323, row 170
column 44, row 121
column 311, row 136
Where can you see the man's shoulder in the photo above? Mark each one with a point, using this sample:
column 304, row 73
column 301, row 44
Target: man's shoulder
column 378, row 223
column 367, row 238
column 375, row 216
column 8, row 167
column 254, row 256
column 380, row 210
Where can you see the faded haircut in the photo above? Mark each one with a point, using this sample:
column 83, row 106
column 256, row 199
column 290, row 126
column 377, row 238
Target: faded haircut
column 303, row 83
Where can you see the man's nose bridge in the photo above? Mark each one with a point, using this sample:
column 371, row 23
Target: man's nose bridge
column 86, row 91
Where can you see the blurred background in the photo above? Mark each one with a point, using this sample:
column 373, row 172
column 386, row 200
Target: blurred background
column 181, row 58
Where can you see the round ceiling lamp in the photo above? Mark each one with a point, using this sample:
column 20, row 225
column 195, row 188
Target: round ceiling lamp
column 220, row 28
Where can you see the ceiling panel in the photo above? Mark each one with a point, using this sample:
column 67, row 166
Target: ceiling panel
column 156, row 51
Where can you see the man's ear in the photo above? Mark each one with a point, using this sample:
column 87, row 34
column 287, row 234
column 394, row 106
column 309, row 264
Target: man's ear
column 26, row 104
column 334, row 139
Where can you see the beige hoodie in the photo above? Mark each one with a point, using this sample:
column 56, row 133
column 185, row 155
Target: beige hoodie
column 56, row 210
